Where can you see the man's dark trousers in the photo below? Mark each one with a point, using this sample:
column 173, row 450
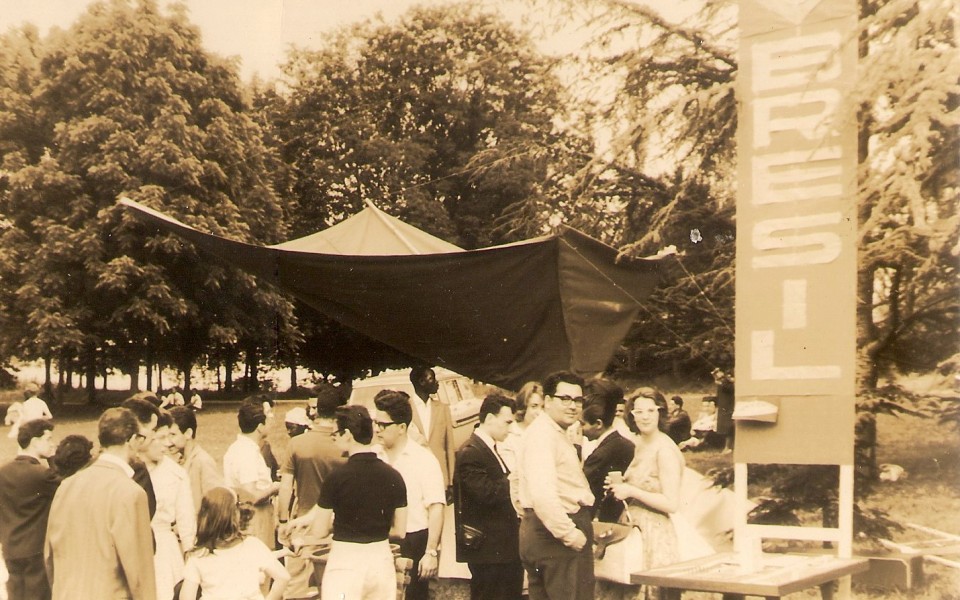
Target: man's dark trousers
column 414, row 546
column 28, row 579
column 496, row 581
column 556, row 572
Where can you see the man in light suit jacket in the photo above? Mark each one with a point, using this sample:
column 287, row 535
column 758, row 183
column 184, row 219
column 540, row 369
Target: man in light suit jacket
column 98, row 541
column 432, row 424
column 482, row 495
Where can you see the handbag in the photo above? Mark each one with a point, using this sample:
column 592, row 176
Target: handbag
column 618, row 550
column 470, row 537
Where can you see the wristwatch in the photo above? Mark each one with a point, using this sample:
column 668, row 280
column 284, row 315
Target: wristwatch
column 432, row 553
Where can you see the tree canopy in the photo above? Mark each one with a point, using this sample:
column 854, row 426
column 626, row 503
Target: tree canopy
column 395, row 113
column 127, row 102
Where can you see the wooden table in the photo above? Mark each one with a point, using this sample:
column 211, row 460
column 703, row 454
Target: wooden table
column 776, row 575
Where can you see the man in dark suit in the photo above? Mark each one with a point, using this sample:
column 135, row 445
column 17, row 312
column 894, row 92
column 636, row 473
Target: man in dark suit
column 678, row 423
column 482, row 497
column 27, row 486
column 611, row 452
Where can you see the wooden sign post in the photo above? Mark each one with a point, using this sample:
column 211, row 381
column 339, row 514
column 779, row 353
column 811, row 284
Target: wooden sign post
column 796, row 248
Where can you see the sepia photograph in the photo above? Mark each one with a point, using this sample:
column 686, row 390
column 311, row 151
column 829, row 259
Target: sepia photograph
column 492, row 300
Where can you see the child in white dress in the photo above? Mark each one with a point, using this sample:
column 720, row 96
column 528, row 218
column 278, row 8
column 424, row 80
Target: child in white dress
column 225, row 564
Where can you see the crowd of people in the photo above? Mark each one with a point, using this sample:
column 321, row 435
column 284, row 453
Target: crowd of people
column 151, row 516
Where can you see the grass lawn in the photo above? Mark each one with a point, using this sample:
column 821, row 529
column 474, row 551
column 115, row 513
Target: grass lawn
column 929, row 495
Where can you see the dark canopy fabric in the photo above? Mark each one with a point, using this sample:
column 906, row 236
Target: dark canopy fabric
column 503, row 315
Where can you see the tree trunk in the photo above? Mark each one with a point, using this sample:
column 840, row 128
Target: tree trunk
column 293, row 377
column 185, row 371
column 865, row 447
column 228, row 368
column 251, row 383
column 47, row 379
column 91, row 375
column 134, row 375
column 148, row 362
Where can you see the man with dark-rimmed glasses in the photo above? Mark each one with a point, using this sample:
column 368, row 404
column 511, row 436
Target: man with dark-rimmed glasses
column 426, row 492
column 556, row 545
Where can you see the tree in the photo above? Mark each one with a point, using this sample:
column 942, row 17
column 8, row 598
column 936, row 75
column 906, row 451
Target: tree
column 394, row 113
column 663, row 95
column 130, row 104
column 909, row 290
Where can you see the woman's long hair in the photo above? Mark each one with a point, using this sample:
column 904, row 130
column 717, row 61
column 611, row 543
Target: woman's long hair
column 220, row 520
column 529, row 389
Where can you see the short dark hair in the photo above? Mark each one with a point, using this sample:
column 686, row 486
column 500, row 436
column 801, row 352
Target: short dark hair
column 419, row 372
column 261, row 397
column 149, row 397
column 164, row 419
column 116, row 426
column 141, row 409
column 328, row 399
column 605, row 388
column 327, row 406
column 250, row 416
column 396, row 404
column 73, row 453
column 33, row 428
column 355, row 419
column 711, row 399
column 550, row 383
column 184, row 418
column 678, row 400
column 493, row 404
column 599, row 407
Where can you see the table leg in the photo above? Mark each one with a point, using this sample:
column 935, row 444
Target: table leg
column 826, row 590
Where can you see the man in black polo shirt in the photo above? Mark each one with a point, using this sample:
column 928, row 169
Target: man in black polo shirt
column 368, row 499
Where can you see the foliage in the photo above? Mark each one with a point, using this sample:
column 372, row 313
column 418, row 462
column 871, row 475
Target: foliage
column 130, row 104
column 394, row 113
column 910, row 228
column 665, row 178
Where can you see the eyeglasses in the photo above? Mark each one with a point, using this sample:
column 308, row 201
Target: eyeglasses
column 139, row 436
column 568, row 400
column 385, row 424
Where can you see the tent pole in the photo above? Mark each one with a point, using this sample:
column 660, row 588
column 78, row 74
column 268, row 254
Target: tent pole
column 413, row 249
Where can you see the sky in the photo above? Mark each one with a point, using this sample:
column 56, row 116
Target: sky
column 257, row 31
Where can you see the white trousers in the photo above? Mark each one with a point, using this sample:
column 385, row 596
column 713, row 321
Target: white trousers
column 359, row 572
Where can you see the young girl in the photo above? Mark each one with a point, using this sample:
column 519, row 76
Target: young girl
column 226, row 564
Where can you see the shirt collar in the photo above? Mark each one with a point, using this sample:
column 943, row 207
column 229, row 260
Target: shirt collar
column 110, row 458
column 483, row 435
column 605, row 435
column 551, row 423
column 243, row 439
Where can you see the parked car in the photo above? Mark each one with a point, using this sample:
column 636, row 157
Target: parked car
column 455, row 390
